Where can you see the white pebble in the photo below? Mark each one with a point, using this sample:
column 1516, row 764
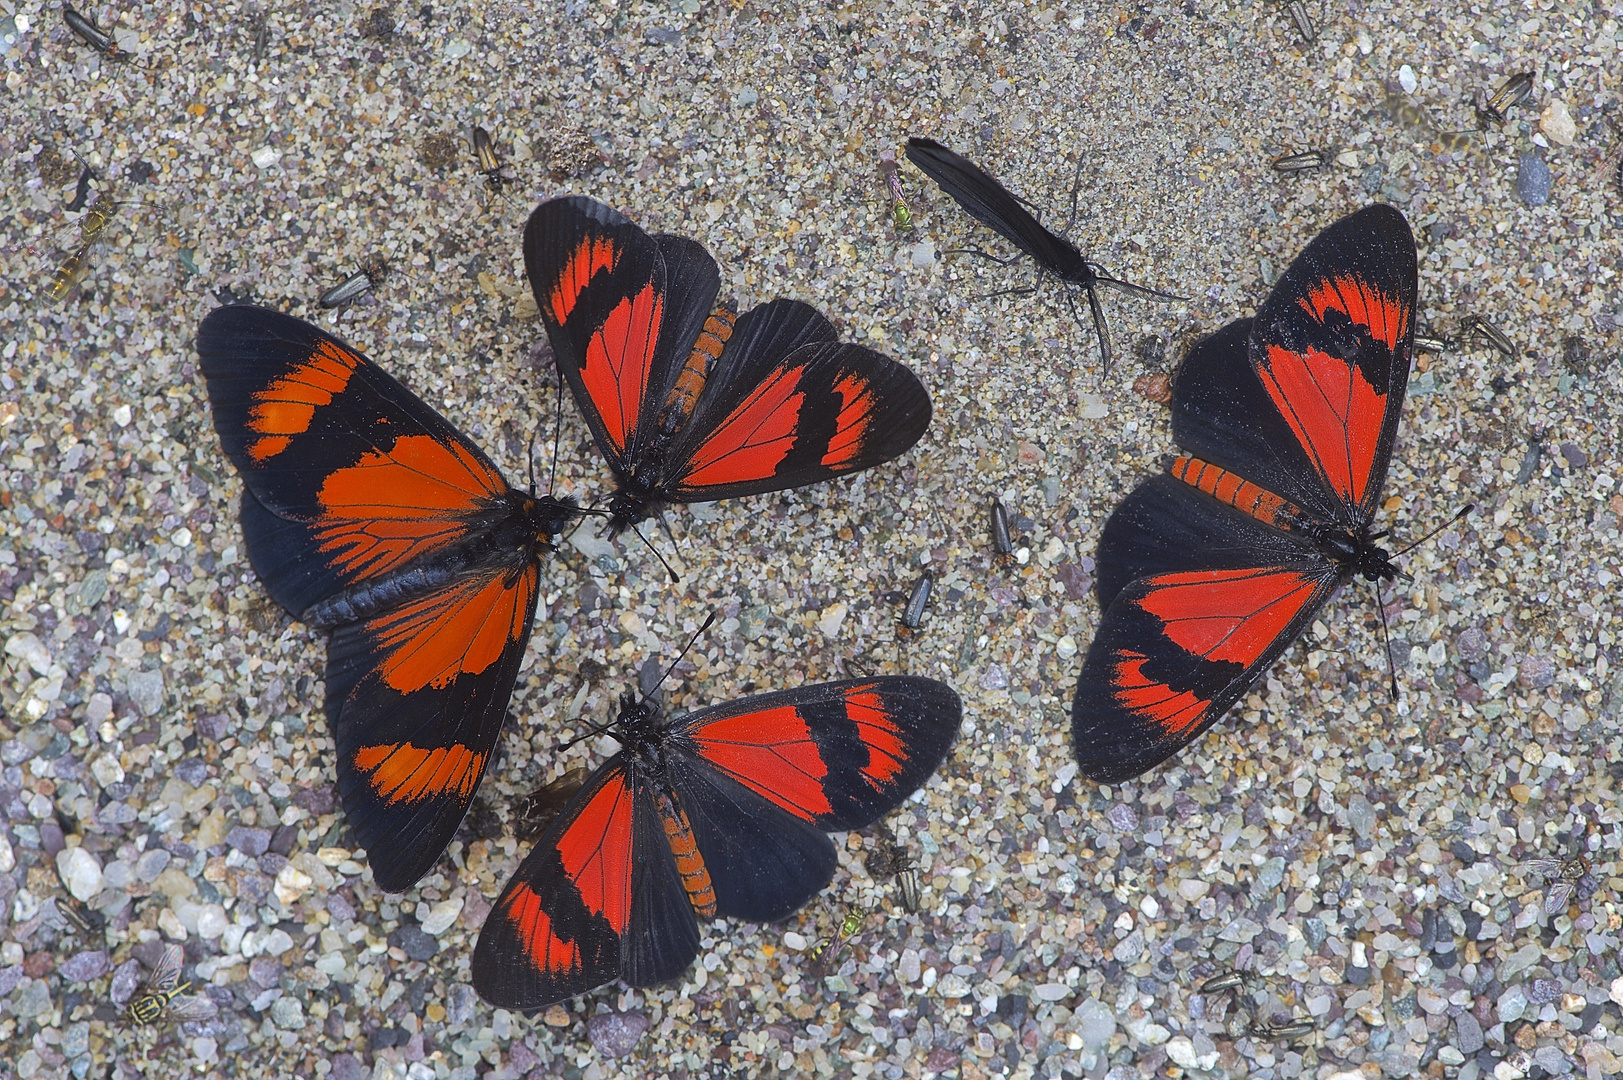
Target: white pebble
column 1407, row 80
column 266, row 156
column 440, row 917
column 79, row 871
column 1557, row 123
column 923, row 255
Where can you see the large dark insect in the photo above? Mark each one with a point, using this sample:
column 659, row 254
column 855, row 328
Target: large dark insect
column 990, row 203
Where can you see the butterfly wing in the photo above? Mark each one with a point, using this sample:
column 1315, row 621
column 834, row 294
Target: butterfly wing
column 1198, row 601
column 788, row 405
column 598, row 898
column 990, row 203
column 622, row 309
column 764, row 779
column 1305, row 399
column 354, row 487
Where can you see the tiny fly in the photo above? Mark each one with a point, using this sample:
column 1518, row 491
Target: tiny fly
column 913, row 614
column 490, row 164
column 73, row 269
column 890, row 859
column 1511, row 93
column 164, row 995
column 91, row 34
column 1475, row 326
column 1561, row 877
column 826, row 952
column 1303, row 20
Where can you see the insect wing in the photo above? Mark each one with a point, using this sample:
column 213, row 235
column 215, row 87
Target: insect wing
column 598, row 898
column 622, row 309
column 542, row 805
column 990, row 203
column 787, row 405
column 354, row 485
column 1313, row 415
column 187, row 1007
column 765, row 779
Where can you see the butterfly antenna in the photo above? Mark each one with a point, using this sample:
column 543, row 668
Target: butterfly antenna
column 1386, row 640
column 1465, row 510
column 557, row 433
column 529, row 454
column 697, row 634
column 674, row 579
column 593, row 729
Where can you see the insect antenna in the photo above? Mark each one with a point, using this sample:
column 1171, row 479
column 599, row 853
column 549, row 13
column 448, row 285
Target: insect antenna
column 674, row 579
column 697, row 634
column 1010, row 261
column 1466, row 509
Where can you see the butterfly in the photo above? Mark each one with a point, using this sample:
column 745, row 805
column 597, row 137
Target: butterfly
column 722, row 812
column 1209, row 571
column 687, row 401
column 991, row 204
column 365, row 512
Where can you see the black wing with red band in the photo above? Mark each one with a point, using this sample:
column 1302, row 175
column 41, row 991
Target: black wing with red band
column 734, row 825
column 367, row 512
column 686, row 404
column 1208, row 573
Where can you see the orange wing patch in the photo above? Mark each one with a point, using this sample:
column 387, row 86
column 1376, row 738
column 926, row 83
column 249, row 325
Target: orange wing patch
column 596, row 852
column 1333, row 413
column 592, row 254
column 1229, row 616
column 886, row 751
column 755, row 438
column 403, row 772
column 389, row 508
column 287, row 405
column 456, row 631
column 856, row 413
column 618, row 358
column 543, row 947
column 1387, row 320
column 1174, row 710
column 771, row 752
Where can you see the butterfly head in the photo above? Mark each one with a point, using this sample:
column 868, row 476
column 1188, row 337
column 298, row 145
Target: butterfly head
column 641, row 728
column 1358, row 556
column 551, row 514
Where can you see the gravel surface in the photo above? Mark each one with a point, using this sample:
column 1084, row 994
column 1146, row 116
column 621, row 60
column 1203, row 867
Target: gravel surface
column 165, row 762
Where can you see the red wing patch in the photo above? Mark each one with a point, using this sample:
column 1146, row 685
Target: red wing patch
column 772, row 753
column 1172, row 709
column 1384, row 317
column 543, row 948
column 285, row 407
column 391, row 507
column 752, row 441
column 1231, row 616
column 619, row 356
column 460, row 630
column 595, row 850
column 857, row 406
column 594, row 253
column 880, row 733
column 1332, row 411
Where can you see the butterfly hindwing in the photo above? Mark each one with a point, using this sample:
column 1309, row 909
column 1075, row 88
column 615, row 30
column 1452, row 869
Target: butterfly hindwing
column 788, row 405
column 555, row 930
column 418, row 695
column 1198, row 601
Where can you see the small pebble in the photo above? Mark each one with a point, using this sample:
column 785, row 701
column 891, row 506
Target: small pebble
column 1557, row 123
column 1533, row 180
column 614, row 1034
column 1468, row 1033
column 414, row 943
column 85, row 966
column 251, row 841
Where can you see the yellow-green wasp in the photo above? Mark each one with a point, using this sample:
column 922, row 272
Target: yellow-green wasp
column 826, row 952
column 164, row 996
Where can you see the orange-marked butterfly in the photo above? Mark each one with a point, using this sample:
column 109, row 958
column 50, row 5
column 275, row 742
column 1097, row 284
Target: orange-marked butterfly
column 365, row 512
column 721, row 812
column 689, row 402
column 1208, row 572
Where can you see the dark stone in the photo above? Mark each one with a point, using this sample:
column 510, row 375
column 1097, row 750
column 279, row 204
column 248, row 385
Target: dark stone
column 264, row 972
column 349, row 1067
column 192, row 770
column 1357, row 976
column 1473, row 924
column 1462, row 851
column 339, row 908
column 1472, row 644
column 271, row 863
column 412, row 941
column 1543, row 991
column 1533, row 180
column 215, row 727
column 319, row 800
column 283, row 839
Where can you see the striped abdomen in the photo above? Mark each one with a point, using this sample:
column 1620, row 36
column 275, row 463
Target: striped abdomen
column 1243, row 495
column 689, row 863
column 679, row 403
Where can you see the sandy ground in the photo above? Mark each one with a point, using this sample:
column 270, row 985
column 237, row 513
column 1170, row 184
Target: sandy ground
column 164, row 753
